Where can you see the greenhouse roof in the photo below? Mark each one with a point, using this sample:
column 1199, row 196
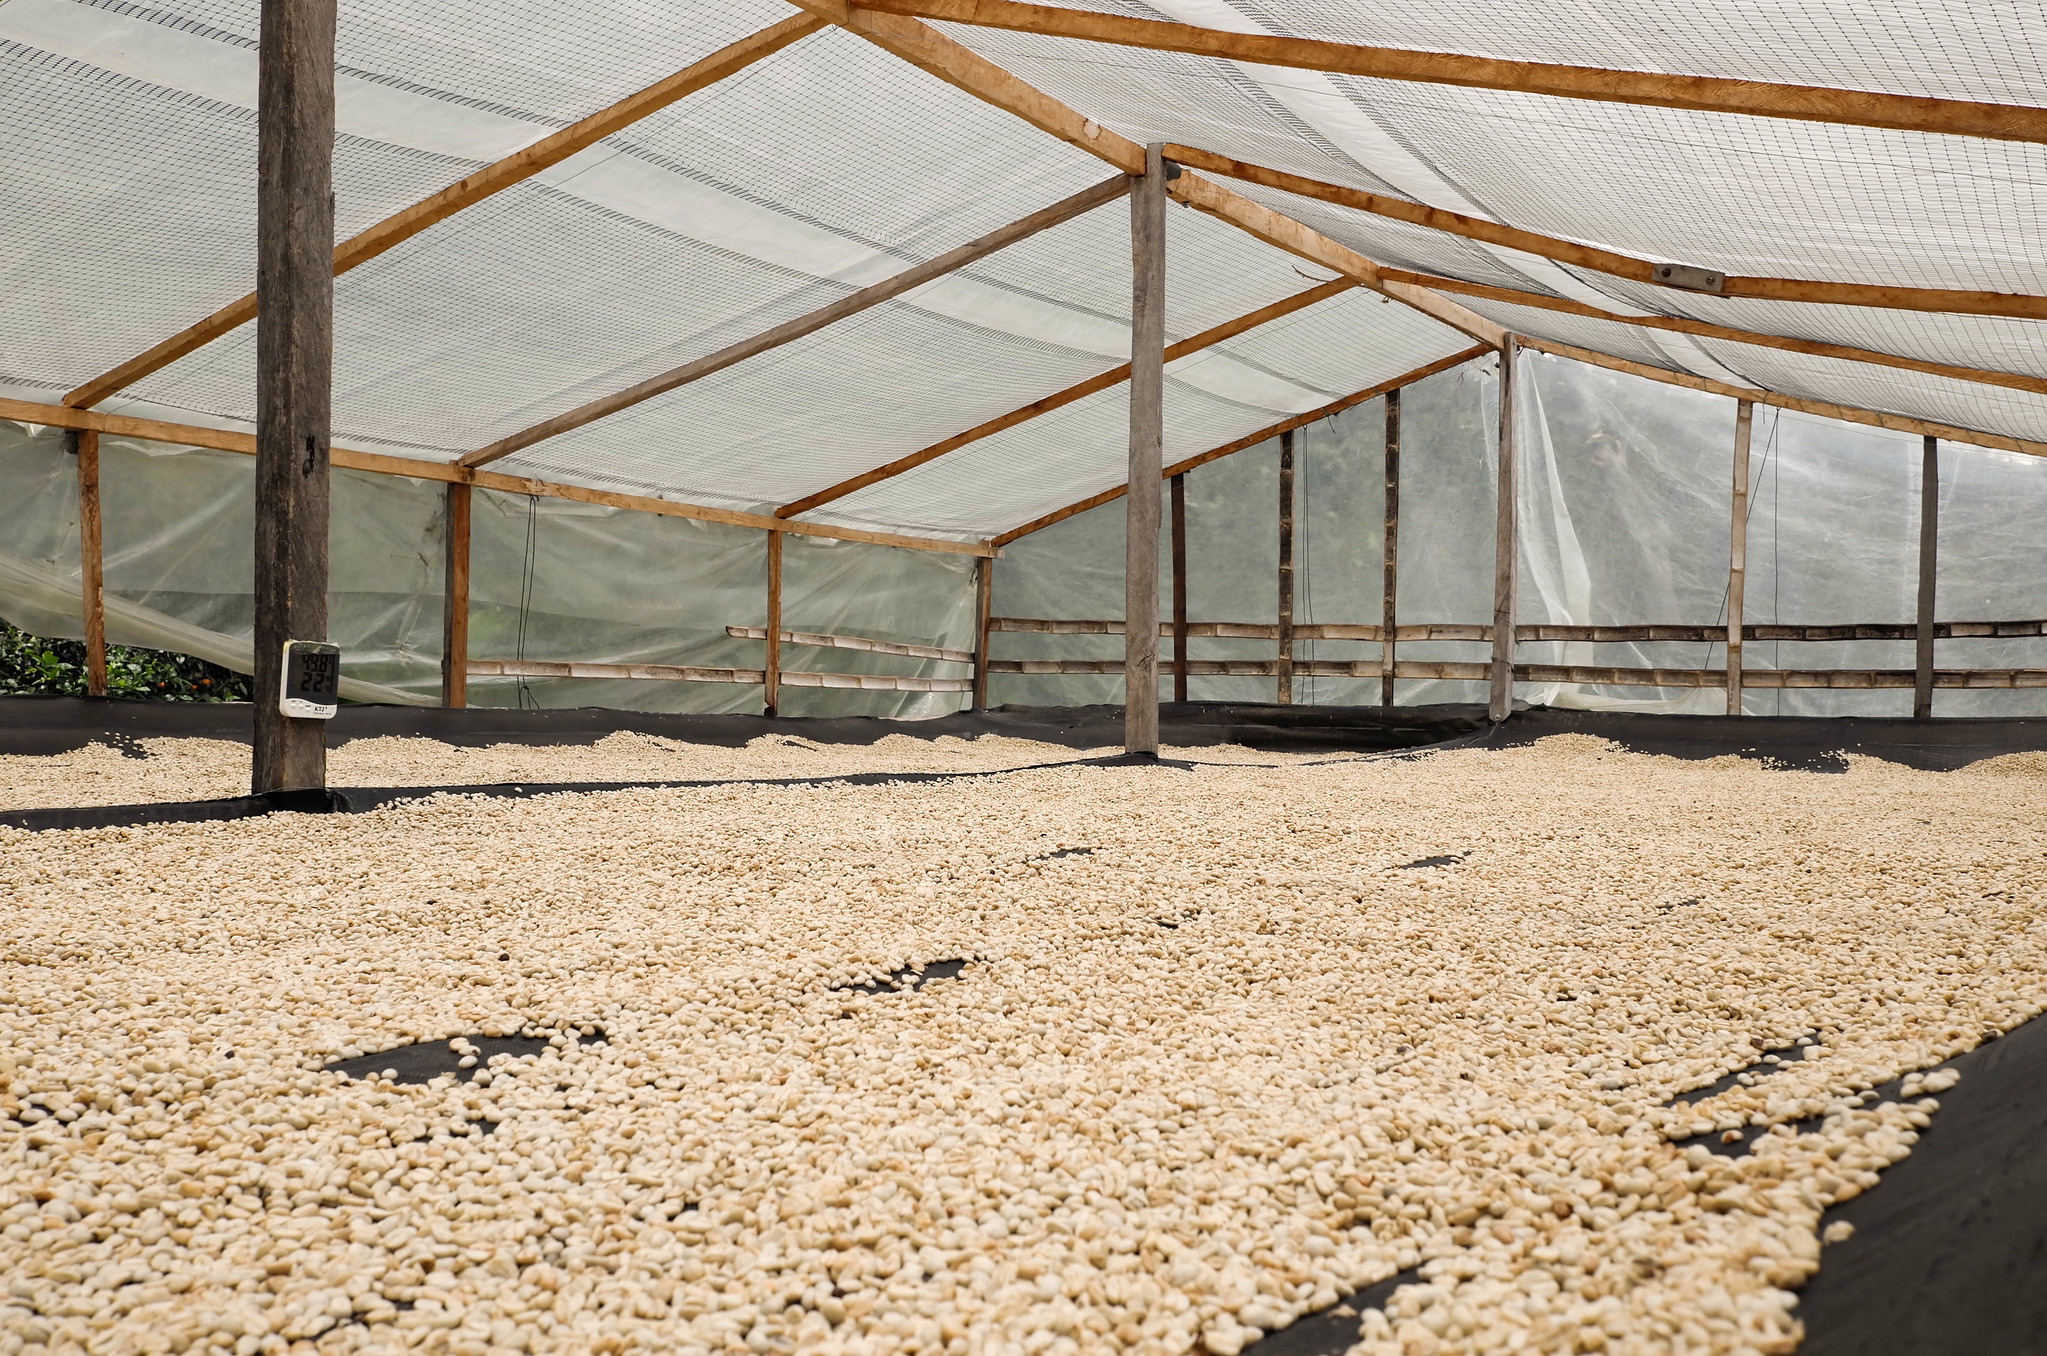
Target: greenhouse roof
column 765, row 259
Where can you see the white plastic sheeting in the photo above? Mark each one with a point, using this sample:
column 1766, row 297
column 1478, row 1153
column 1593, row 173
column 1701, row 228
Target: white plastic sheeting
column 1624, row 509
column 550, row 580
column 127, row 142
column 1624, row 505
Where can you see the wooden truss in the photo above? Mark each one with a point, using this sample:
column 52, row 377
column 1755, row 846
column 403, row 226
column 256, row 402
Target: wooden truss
column 893, row 25
column 1709, row 94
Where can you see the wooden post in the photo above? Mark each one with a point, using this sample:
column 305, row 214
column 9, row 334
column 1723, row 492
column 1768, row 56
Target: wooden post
column 294, row 370
column 984, row 597
column 455, row 601
column 1147, row 457
column 1284, row 669
column 771, row 671
column 1390, row 566
column 1180, row 587
column 1929, row 547
column 1501, row 704
column 1737, row 551
column 85, row 443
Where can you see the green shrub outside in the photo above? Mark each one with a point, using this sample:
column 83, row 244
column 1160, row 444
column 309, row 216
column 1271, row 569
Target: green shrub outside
column 31, row 664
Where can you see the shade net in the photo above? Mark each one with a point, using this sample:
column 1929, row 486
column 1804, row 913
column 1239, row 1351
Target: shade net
column 127, row 146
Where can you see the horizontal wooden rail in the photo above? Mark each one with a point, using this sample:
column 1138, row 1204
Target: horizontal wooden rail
column 1246, row 668
column 1597, row 635
column 878, row 682
column 673, row 673
column 384, row 464
column 668, row 673
column 1587, row 675
column 826, row 641
column 1057, row 626
column 1777, row 678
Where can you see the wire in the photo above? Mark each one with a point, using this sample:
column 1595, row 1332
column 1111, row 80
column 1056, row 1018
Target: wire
column 1748, row 516
column 526, row 696
column 1306, row 573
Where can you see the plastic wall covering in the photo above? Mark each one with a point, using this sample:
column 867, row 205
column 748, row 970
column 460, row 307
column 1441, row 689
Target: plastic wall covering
column 1624, row 492
column 550, row 580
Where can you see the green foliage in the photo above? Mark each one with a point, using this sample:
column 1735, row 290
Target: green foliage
column 57, row 668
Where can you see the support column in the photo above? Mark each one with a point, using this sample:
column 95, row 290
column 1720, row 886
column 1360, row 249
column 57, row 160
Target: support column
column 1180, row 587
column 771, row 669
column 1737, row 551
column 294, row 370
column 1501, row 704
column 1285, row 667
column 1389, row 569
column 984, row 596
column 86, row 444
column 1929, row 546
column 455, row 601
column 1147, row 442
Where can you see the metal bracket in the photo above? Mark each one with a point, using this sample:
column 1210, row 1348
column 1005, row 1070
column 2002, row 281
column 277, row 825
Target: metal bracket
column 1686, row 277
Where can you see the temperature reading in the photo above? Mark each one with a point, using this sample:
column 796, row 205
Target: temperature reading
column 312, row 680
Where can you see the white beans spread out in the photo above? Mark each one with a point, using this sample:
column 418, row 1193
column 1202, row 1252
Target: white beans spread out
column 1230, row 1062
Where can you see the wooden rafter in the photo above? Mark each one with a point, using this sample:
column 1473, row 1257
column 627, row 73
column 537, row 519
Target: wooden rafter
column 1935, row 299
column 791, row 330
column 1710, row 94
column 1706, row 330
column 1848, row 414
column 378, row 463
column 931, row 51
column 1103, row 381
column 513, row 169
column 1287, row 425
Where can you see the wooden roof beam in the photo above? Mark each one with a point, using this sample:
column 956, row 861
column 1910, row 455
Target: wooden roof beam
column 1287, row 425
column 791, row 330
column 515, row 168
column 1847, row 414
column 1697, row 93
column 1706, row 330
column 380, row 463
column 1934, row 299
column 1115, row 376
column 959, row 66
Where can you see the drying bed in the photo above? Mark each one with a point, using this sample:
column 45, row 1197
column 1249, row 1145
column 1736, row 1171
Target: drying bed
column 1073, row 1059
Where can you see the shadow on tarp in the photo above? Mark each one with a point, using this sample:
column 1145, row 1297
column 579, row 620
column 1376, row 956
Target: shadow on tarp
column 360, row 799
column 49, row 725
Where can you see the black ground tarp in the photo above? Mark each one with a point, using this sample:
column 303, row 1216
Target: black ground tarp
column 45, row 725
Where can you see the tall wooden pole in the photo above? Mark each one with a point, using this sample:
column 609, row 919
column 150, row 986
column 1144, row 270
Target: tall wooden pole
column 1147, row 457
column 1929, row 549
column 1502, row 698
column 1737, row 551
column 86, row 444
column 984, row 598
column 455, row 601
column 1390, row 566
column 1180, row 587
column 294, row 370
column 771, row 671
column 1285, row 666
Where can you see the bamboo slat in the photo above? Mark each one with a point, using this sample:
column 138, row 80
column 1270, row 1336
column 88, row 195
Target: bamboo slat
column 826, row 641
column 675, row 673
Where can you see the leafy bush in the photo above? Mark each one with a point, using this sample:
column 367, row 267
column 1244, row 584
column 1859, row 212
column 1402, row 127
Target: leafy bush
column 57, row 668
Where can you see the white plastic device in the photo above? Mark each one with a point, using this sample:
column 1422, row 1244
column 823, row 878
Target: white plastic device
column 311, row 683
